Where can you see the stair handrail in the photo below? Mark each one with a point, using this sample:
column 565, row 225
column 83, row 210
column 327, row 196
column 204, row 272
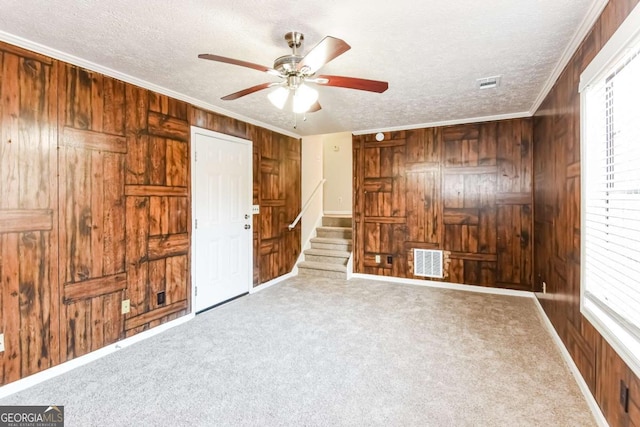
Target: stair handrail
column 306, row 205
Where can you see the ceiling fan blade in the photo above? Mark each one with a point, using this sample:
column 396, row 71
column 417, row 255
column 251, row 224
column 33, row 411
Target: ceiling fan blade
column 248, row 91
column 239, row 62
column 315, row 107
column 352, row 83
column 328, row 49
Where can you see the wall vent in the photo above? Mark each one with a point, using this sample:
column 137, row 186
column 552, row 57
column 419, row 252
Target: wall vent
column 428, row 263
column 488, row 82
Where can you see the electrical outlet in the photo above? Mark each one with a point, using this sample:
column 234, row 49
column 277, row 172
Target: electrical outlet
column 624, row 396
column 1, row 343
column 161, row 298
column 126, row 306
column 378, row 259
column 389, row 259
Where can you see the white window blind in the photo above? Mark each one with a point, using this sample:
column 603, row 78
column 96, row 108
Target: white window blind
column 611, row 200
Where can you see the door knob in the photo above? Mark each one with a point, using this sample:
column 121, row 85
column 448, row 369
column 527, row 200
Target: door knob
column 247, row 226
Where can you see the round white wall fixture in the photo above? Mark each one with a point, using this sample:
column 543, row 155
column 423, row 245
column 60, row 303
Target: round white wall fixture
column 379, row 136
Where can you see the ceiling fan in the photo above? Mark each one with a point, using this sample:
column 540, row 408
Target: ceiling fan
column 296, row 71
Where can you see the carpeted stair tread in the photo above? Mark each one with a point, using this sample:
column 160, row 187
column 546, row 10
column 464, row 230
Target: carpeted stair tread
column 331, row 240
column 322, row 266
column 333, row 228
column 327, row 252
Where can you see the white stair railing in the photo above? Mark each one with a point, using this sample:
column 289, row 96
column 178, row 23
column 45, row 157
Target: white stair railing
column 306, row 205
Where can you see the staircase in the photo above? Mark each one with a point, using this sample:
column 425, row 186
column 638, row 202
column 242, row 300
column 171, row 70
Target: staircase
column 330, row 249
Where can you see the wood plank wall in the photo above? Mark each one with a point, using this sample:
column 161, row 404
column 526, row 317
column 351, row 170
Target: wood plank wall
column 29, row 294
column 95, row 208
column 557, row 226
column 464, row 189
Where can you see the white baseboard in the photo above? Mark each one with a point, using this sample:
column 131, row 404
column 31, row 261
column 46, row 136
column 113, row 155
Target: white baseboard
column 584, row 388
column 445, row 285
column 275, row 281
column 62, row 368
column 350, row 267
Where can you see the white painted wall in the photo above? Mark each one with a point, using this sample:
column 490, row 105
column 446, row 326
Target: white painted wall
column 337, row 170
column 311, row 175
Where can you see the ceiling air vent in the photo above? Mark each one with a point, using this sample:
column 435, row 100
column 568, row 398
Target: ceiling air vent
column 427, row 263
column 488, row 82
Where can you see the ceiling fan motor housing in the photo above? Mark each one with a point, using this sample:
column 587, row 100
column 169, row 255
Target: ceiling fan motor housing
column 287, row 64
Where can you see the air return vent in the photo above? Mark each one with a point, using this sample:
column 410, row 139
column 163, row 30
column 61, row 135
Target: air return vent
column 427, row 263
column 488, row 82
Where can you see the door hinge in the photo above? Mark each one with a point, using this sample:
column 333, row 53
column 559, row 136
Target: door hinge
column 196, row 223
column 196, row 291
column 195, row 156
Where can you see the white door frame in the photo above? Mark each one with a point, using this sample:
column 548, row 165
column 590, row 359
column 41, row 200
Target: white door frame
column 195, row 131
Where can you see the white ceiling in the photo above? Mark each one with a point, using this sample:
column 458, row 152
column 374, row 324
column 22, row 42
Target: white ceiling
column 430, row 51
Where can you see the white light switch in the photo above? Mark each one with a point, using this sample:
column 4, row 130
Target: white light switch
column 255, row 210
column 1, row 343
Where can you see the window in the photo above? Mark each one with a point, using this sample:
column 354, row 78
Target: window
column 610, row 96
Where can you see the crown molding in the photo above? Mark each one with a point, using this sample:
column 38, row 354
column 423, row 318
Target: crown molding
column 587, row 23
column 518, row 115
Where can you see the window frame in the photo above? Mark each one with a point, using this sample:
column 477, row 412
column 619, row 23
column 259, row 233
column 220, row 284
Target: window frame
column 607, row 325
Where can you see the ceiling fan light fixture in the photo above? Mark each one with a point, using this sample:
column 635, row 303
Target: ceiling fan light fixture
column 303, row 98
column 279, row 97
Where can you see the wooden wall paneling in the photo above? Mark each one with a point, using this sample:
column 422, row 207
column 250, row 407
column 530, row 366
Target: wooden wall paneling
column 291, row 238
column 423, row 173
column 469, row 202
column 137, row 136
column 219, row 123
column 121, row 200
column 158, row 208
column 608, row 387
column 357, row 224
column 92, row 216
column 381, row 196
column 513, row 236
column 556, row 146
column 634, row 401
column 437, row 188
column 424, row 219
column 29, row 299
column 514, row 194
column 137, row 235
column 257, row 176
column 583, row 353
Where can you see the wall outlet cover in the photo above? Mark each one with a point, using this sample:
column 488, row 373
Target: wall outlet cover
column 126, row 306
column 1, row 343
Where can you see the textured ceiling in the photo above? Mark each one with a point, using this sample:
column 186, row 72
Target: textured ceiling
column 431, row 52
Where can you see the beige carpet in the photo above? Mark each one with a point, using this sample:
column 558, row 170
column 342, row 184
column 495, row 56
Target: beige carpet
column 325, row 352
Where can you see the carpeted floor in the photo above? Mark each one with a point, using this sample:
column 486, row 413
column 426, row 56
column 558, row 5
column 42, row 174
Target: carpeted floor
column 325, row 352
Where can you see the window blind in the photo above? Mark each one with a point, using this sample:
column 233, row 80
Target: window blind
column 611, row 193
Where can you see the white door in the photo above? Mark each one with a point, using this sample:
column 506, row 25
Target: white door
column 222, row 236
